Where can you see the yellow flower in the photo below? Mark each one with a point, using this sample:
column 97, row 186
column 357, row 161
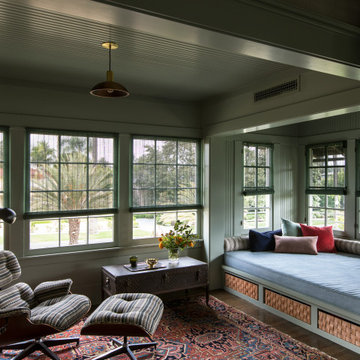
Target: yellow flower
column 161, row 245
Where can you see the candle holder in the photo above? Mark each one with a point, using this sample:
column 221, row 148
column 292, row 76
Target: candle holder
column 133, row 261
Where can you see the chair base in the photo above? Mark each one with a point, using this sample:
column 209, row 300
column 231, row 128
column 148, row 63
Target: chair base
column 124, row 348
column 42, row 345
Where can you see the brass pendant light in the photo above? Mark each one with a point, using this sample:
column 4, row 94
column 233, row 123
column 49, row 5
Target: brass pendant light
column 109, row 88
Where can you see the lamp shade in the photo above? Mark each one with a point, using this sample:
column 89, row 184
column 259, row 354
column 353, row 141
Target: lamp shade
column 109, row 88
column 8, row 215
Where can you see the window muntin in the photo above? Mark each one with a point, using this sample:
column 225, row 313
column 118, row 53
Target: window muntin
column 57, row 232
column 325, row 210
column 153, row 224
column 257, row 211
column 326, row 168
column 165, row 174
column 257, row 165
column 257, row 185
column 326, row 184
column 72, row 180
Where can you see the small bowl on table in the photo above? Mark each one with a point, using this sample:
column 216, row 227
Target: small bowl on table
column 151, row 262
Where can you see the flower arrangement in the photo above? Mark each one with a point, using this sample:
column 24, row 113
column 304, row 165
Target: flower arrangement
column 177, row 239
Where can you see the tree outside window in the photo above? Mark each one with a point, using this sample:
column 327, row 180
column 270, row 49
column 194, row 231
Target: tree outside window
column 165, row 184
column 326, row 184
column 71, row 194
column 257, row 185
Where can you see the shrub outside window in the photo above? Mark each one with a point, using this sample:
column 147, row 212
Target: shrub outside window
column 71, row 189
column 326, row 184
column 257, row 185
column 166, row 184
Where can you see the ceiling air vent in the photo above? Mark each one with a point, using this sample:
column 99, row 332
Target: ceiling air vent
column 277, row 90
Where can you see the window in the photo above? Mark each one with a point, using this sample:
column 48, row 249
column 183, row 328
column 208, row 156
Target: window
column 3, row 179
column 71, row 189
column 166, row 184
column 326, row 184
column 257, row 185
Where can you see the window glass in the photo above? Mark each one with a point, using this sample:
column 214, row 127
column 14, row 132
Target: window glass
column 71, row 189
column 166, row 185
column 165, row 173
column 326, row 185
column 153, row 224
column 257, row 186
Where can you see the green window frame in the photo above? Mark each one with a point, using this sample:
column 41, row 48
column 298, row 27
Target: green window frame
column 87, row 167
column 257, row 161
column 326, row 184
column 327, row 164
column 258, row 166
column 71, row 191
column 171, row 182
column 357, row 149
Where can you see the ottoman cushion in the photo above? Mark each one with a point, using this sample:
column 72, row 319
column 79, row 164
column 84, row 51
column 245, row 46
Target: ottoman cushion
column 136, row 309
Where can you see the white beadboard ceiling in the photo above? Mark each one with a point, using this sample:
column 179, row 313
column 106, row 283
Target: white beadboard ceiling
column 57, row 49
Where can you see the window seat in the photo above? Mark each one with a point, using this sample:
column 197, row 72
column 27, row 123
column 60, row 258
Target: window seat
column 318, row 292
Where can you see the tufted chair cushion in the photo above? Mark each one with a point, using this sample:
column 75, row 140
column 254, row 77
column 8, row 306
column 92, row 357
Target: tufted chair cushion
column 142, row 310
column 9, row 268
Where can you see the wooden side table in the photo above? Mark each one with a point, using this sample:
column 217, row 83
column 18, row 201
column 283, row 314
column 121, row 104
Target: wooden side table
column 188, row 274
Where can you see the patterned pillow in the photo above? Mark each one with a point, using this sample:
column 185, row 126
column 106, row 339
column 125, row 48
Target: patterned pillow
column 236, row 243
column 348, row 246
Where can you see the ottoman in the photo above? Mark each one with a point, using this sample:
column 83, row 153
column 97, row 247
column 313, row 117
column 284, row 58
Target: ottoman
column 129, row 314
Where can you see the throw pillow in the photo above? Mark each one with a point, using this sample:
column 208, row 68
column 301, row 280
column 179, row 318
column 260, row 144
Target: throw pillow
column 290, row 228
column 296, row 244
column 325, row 235
column 262, row 241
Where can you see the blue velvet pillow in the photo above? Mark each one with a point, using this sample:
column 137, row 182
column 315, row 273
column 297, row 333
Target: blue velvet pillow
column 263, row 241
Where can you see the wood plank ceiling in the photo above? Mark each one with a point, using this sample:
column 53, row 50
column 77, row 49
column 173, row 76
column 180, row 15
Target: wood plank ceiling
column 53, row 49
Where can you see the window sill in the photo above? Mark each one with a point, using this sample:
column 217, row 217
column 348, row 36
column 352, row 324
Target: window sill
column 89, row 254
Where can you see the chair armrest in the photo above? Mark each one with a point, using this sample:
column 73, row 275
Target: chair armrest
column 52, row 289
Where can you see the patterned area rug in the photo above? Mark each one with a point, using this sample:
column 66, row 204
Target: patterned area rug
column 191, row 330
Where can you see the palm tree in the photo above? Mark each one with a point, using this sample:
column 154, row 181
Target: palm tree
column 71, row 184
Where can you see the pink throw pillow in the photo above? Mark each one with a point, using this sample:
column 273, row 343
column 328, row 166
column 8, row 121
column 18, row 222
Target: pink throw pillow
column 325, row 236
column 296, row 244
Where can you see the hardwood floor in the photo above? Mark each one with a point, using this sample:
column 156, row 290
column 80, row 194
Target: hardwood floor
column 287, row 327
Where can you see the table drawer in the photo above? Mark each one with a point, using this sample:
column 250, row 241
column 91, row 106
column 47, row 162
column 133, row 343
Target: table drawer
column 149, row 282
column 181, row 279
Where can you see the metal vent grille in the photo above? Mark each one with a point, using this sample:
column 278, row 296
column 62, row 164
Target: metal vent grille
column 276, row 90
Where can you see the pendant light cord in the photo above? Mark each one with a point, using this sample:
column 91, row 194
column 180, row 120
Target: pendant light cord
column 110, row 57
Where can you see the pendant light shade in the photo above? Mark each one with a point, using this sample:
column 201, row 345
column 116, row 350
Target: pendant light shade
column 109, row 88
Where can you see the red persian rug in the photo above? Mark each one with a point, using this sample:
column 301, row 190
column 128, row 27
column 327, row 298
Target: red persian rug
column 192, row 330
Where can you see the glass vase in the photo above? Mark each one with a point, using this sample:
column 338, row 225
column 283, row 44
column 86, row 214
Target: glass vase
column 174, row 256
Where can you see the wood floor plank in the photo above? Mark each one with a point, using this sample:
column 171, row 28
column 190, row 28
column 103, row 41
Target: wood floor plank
column 287, row 327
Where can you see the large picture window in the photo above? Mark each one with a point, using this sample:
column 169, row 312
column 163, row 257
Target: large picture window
column 71, row 189
column 326, row 184
column 257, row 185
column 166, row 184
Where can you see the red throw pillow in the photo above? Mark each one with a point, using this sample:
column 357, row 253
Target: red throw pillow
column 325, row 236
